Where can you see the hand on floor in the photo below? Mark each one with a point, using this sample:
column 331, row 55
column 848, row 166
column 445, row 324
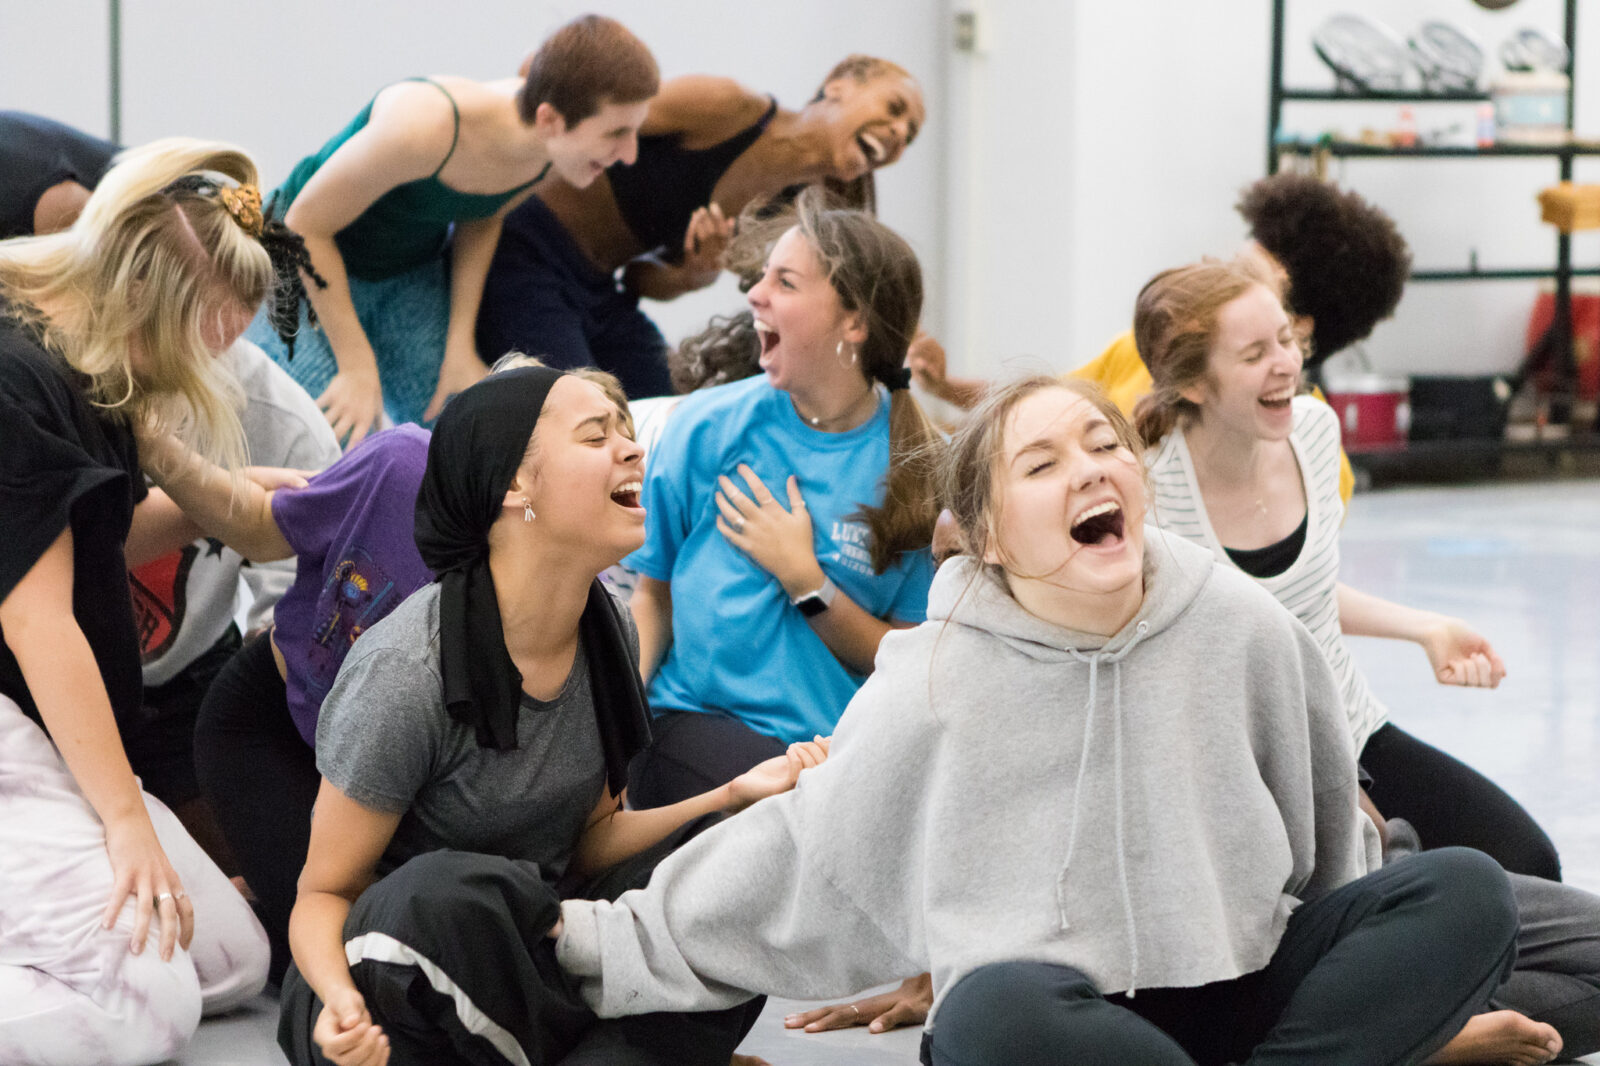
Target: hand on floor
column 907, row 1005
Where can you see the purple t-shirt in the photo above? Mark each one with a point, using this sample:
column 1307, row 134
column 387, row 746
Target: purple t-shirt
column 351, row 529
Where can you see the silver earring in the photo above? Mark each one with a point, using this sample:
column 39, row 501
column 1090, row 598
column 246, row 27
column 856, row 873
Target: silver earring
column 527, row 510
column 838, row 351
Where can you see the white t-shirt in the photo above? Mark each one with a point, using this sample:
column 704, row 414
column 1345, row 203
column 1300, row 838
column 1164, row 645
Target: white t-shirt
column 183, row 602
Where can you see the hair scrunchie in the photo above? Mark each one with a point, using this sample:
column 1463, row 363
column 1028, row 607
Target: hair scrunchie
column 898, row 379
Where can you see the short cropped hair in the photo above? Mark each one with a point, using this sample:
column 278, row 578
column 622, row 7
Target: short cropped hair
column 589, row 62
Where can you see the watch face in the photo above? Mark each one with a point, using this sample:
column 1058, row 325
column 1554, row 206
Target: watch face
column 811, row 605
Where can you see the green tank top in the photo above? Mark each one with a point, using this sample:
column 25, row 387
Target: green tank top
column 406, row 226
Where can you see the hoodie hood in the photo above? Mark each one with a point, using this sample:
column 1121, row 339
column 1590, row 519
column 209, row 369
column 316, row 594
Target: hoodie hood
column 971, row 593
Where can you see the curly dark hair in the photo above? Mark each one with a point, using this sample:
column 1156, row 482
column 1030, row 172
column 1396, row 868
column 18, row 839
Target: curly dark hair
column 1346, row 261
column 728, row 349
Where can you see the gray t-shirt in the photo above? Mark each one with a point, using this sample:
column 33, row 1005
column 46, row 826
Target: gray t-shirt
column 385, row 740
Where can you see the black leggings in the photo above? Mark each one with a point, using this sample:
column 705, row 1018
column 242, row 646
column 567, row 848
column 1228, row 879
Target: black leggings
column 693, row 752
column 262, row 779
column 1452, row 805
column 1380, row 972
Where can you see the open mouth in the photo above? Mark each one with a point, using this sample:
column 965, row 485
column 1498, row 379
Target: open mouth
column 627, row 494
column 768, row 336
column 1101, row 524
column 1277, row 401
column 873, row 148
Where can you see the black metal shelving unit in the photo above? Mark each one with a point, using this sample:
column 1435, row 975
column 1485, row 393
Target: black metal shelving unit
column 1557, row 343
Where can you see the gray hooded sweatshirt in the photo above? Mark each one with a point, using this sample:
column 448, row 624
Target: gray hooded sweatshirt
column 1147, row 809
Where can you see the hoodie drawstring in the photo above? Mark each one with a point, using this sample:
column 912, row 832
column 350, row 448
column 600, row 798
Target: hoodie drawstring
column 1115, row 659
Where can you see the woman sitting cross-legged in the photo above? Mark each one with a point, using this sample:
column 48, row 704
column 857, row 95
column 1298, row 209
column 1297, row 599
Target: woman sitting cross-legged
column 1105, row 794
column 473, row 751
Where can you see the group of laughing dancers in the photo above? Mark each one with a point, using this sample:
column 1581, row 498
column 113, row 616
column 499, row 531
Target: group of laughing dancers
column 531, row 751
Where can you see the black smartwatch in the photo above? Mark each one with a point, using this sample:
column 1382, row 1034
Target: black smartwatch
column 820, row 599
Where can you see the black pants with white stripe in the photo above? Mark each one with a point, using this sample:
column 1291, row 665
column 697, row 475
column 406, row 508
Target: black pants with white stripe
column 454, row 964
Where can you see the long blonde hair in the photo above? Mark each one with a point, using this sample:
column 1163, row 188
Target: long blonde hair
column 155, row 256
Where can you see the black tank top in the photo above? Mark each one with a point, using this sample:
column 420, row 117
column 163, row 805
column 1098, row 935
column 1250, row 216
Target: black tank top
column 1274, row 559
column 661, row 191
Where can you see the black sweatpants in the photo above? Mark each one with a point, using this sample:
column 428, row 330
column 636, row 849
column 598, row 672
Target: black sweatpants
column 692, row 752
column 261, row 777
column 1452, row 805
column 454, row 964
column 1384, row 970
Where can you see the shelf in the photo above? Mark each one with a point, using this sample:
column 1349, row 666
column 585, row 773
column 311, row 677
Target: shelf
column 1511, row 274
column 1352, row 149
column 1403, row 96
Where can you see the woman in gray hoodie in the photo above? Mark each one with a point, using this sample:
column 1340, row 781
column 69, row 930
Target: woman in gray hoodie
column 1103, row 766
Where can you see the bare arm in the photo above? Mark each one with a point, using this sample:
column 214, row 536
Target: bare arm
column 651, row 607
column 64, row 680
column 347, row 840
column 406, row 138
column 614, row 834
column 237, row 512
column 1458, row 654
column 159, row 528
column 471, row 252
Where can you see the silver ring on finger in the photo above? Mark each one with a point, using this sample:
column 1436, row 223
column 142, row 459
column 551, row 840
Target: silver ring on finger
column 738, row 524
column 857, row 1010
column 162, row 896
column 180, row 895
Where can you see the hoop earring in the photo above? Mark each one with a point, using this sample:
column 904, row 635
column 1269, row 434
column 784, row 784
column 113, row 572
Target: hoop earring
column 838, row 351
column 527, row 510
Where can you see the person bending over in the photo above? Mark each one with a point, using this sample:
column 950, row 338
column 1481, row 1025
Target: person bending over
column 88, row 860
column 708, row 149
column 431, row 162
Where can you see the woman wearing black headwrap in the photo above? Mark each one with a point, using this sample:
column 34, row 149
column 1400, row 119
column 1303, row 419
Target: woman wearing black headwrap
column 474, row 750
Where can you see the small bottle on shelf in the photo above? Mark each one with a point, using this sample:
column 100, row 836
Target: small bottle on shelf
column 1405, row 135
column 1486, row 125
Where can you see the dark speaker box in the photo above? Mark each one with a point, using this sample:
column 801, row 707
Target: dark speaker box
column 1459, row 408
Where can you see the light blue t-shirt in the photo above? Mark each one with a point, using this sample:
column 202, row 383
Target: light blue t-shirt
column 738, row 644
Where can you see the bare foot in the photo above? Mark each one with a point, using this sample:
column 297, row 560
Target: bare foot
column 1500, row 1037
column 748, row 1060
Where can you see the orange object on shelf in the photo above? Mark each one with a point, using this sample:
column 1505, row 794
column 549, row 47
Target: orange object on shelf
column 1569, row 207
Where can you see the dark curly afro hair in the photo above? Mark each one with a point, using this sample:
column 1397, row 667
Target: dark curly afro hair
column 1347, row 263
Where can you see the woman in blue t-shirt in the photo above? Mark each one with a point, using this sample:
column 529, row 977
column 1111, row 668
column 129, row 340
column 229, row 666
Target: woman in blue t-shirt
column 789, row 515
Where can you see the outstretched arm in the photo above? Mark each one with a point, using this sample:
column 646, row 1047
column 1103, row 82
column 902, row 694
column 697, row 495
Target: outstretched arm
column 237, row 512
column 1457, row 653
column 614, row 834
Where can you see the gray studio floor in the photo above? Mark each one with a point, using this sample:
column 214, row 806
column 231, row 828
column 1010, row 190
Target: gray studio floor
column 1520, row 561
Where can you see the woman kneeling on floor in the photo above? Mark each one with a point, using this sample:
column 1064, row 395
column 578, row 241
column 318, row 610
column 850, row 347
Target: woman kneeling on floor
column 1097, row 770
column 474, row 749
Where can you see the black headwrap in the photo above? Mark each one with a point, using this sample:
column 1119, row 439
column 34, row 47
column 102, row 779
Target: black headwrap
column 477, row 445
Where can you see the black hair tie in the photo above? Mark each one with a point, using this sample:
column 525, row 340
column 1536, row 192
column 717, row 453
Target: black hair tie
column 898, row 379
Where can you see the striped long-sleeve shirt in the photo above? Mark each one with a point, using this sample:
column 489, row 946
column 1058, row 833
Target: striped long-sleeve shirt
column 1309, row 588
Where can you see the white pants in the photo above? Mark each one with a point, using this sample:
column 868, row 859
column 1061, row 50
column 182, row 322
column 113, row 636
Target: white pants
column 70, row 991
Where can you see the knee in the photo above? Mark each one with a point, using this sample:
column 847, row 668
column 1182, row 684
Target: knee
column 1475, row 890
column 1006, row 989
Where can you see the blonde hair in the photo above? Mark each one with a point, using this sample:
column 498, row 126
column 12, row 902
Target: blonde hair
column 1174, row 325
column 967, row 483
column 154, row 257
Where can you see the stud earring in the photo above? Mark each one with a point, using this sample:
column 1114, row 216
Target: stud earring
column 527, row 510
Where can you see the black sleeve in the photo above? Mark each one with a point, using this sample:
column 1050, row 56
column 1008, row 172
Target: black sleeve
column 37, row 153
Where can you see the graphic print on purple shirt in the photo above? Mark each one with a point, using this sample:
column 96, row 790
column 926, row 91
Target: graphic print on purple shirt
column 351, row 530
column 359, row 593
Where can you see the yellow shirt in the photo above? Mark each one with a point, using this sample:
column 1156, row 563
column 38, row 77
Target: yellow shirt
column 1122, row 374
